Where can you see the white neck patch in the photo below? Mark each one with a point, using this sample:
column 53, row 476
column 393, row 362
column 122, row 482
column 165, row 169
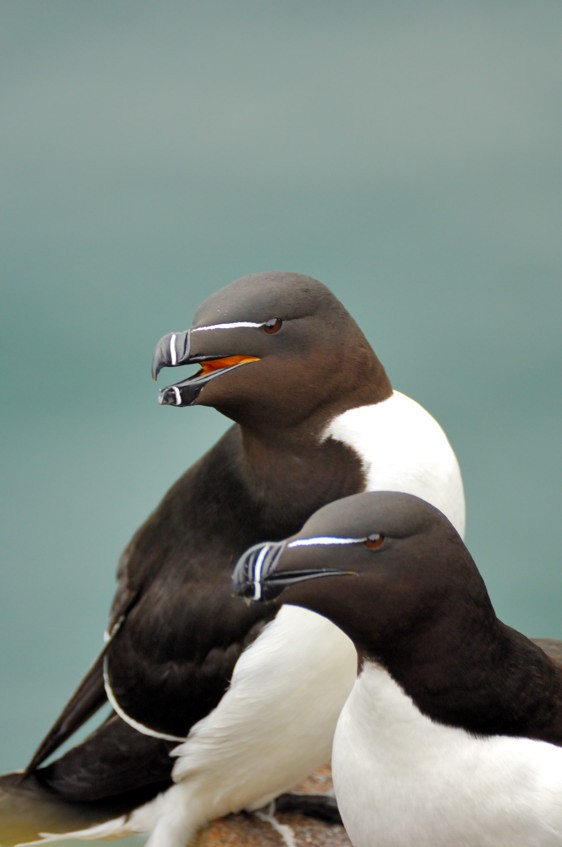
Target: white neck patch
column 403, row 448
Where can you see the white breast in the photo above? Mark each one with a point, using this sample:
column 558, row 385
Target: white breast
column 402, row 779
column 272, row 728
column 403, row 448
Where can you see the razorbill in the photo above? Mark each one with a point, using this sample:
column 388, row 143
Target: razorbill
column 213, row 711
column 452, row 732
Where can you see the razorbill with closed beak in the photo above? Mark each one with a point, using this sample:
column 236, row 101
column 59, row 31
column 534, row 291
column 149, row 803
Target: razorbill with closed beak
column 219, row 706
column 452, row 732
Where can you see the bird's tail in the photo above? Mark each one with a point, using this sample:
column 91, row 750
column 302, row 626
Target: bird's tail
column 85, row 701
column 107, row 786
column 31, row 813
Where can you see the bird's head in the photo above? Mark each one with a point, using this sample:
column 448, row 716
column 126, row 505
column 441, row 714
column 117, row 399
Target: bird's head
column 275, row 348
column 379, row 565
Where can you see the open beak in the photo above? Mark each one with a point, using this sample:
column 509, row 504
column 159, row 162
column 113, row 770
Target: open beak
column 258, row 577
column 175, row 349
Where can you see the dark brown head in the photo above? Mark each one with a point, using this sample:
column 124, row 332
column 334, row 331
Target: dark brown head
column 272, row 347
column 383, row 566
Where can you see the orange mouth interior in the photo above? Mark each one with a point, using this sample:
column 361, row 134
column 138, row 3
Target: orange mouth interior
column 212, row 365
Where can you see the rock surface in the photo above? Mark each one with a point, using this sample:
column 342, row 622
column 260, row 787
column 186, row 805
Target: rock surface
column 278, row 829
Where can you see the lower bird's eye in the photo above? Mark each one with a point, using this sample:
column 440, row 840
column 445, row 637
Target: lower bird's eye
column 272, row 326
column 374, row 540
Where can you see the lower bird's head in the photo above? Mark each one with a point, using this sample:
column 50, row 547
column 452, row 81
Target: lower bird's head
column 272, row 346
column 376, row 564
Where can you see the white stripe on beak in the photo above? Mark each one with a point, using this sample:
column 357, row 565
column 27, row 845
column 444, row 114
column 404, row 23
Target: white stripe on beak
column 257, row 572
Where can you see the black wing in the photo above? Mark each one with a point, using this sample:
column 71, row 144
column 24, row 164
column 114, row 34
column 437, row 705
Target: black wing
column 176, row 632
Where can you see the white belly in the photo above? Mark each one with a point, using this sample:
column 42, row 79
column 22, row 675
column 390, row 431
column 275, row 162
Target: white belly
column 272, row 728
column 402, row 779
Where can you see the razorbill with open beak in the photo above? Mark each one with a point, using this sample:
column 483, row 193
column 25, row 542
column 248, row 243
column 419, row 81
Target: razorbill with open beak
column 452, row 732
column 213, row 711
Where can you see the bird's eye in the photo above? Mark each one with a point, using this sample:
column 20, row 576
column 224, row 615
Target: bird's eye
column 374, row 540
column 272, row 326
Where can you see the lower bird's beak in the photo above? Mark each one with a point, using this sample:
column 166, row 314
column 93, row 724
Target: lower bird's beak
column 175, row 349
column 258, row 575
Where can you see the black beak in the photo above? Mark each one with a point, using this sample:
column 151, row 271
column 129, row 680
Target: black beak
column 253, row 568
column 256, row 576
column 171, row 351
column 175, row 349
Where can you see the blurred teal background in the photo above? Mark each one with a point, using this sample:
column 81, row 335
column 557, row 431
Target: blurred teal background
column 407, row 154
